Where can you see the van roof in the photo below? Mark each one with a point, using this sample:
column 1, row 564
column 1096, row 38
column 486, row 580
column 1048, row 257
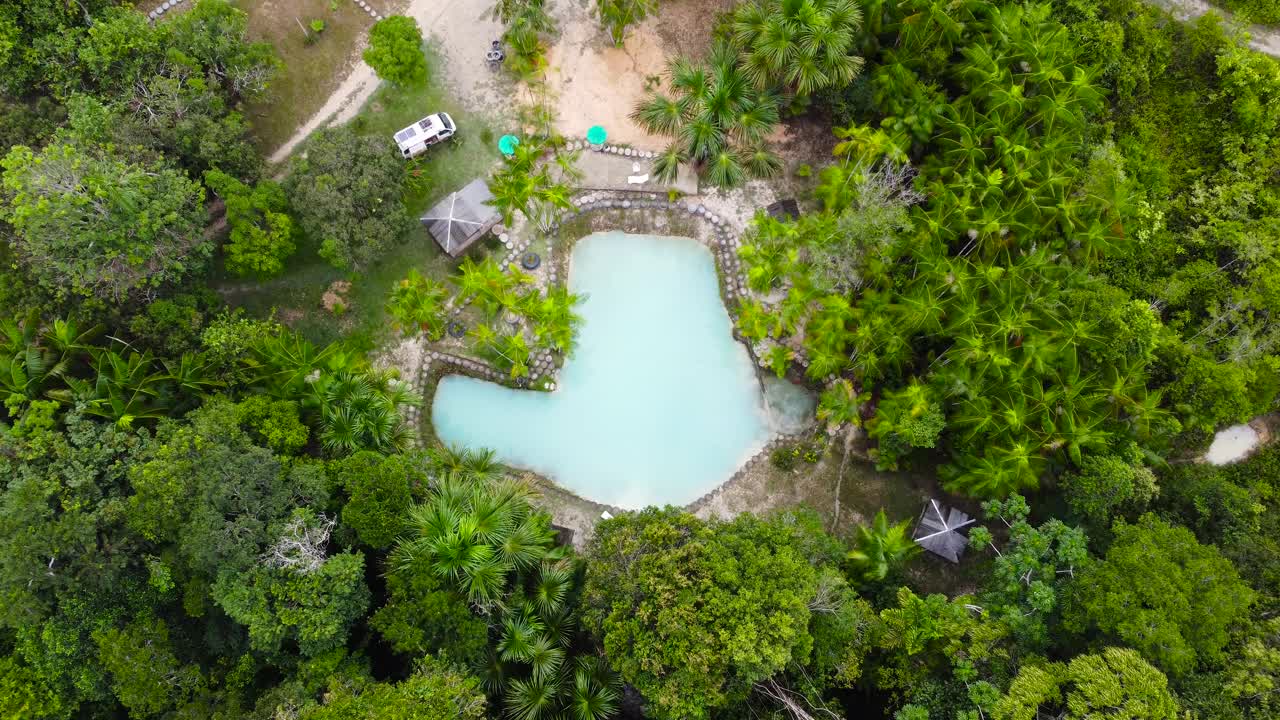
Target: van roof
column 428, row 126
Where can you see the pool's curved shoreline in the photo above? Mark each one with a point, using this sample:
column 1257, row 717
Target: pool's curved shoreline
column 632, row 213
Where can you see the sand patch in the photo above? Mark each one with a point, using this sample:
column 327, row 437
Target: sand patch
column 595, row 83
column 1238, row 442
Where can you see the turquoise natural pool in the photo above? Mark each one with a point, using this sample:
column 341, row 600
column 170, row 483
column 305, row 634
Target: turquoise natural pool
column 657, row 405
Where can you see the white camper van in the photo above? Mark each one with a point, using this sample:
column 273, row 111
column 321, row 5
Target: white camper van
column 415, row 139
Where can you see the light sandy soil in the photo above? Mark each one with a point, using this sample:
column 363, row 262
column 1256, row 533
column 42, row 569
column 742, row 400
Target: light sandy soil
column 596, row 83
column 340, row 107
column 591, row 81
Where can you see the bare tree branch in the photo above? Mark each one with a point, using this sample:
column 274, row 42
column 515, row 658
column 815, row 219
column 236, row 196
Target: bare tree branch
column 301, row 548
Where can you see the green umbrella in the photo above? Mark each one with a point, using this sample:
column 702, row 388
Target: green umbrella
column 596, row 135
column 507, row 144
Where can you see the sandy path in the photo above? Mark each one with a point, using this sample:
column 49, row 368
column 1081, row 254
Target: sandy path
column 341, row 106
column 460, row 36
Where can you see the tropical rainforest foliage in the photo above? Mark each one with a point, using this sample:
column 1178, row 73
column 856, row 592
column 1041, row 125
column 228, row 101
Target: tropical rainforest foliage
column 1042, row 260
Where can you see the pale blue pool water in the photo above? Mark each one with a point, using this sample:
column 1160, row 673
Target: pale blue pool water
column 657, row 405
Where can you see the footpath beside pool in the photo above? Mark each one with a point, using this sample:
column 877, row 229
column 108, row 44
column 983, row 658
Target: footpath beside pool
column 658, row 405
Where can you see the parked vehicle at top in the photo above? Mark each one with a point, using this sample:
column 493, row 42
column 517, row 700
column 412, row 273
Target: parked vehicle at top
column 415, row 139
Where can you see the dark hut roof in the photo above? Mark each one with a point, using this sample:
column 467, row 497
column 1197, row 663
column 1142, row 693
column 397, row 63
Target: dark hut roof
column 939, row 531
column 784, row 210
column 458, row 220
column 564, row 535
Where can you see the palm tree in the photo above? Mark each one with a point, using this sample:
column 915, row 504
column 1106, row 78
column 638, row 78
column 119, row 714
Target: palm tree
column 484, row 535
column 772, row 255
column 840, row 404
column 508, row 350
column 882, row 548
column 753, row 320
column 778, row 358
column 124, row 388
column 362, row 411
column 489, row 286
column 595, row 691
column 555, row 324
column 465, row 465
column 37, row 364
column 551, row 588
column 189, row 378
column 417, row 305
column 284, row 365
column 717, row 118
column 798, row 45
column 532, row 699
column 29, row 372
column 479, row 534
column 616, row 15
column 525, row 183
column 509, row 12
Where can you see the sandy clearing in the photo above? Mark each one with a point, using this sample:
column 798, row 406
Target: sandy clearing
column 1232, row 445
column 591, row 81
column 596, row 83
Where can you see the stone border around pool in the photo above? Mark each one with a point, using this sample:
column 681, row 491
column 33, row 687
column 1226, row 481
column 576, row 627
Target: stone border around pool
column 168, row 5
column 723, row 244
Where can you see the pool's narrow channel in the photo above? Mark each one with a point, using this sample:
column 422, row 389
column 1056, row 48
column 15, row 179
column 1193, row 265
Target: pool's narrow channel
column 657, row 405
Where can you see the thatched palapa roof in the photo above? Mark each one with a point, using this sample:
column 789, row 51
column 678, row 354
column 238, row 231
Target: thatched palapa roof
column 461, row 218
column 939, row 531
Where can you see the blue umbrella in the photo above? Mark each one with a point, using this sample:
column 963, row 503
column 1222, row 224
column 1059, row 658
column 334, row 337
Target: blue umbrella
column 507, row 144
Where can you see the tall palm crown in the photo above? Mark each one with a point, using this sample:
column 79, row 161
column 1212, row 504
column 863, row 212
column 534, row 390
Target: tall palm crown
column 716, row 117
column 481, row 532
column 881, row 548
column 799, row 45
column 355, row 406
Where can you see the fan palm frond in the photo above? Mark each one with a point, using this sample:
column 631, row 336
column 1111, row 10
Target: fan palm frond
column 552, row 587
column 519, row 636
column 702, row 138
column 545, row 659
column 659, row 114
column 531, row 699
column 666, row 167
column 725, row 170
column 761, row 163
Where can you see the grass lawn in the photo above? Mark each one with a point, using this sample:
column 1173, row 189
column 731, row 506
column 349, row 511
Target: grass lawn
column 296, row 295
column 311, row 70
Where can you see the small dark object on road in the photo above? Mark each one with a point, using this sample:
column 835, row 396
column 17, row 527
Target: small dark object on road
column 495, row 54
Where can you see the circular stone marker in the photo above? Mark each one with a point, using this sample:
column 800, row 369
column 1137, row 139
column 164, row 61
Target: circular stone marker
column 530, row 261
